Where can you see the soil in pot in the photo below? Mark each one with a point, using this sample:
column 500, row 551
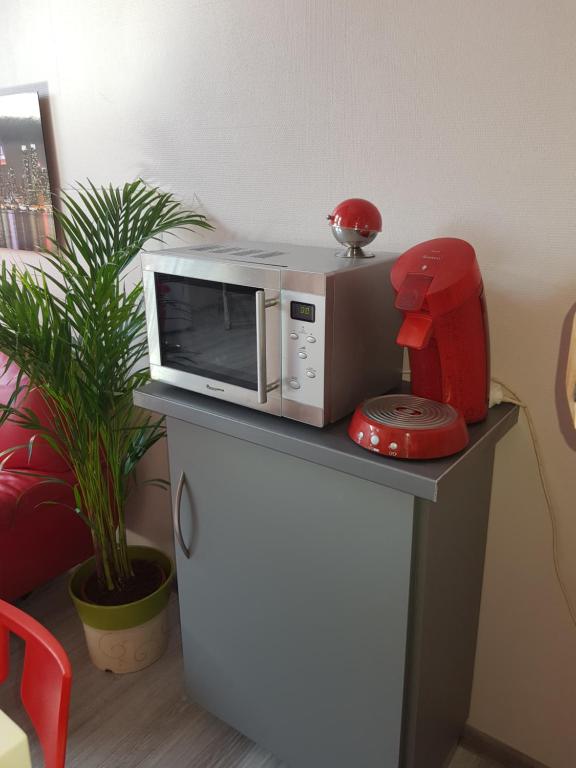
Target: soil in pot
column 148, row 577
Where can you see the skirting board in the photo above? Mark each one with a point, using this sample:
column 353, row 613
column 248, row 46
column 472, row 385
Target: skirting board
column 487, row 746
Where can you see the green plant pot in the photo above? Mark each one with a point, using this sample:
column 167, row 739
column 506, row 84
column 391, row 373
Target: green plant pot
column 125, row 638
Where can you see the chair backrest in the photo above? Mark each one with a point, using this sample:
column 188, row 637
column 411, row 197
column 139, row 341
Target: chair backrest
column 46, row 680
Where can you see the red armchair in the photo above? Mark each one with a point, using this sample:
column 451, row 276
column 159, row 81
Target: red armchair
column 37, row 541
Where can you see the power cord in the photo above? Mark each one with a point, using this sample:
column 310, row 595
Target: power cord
column 500, row 393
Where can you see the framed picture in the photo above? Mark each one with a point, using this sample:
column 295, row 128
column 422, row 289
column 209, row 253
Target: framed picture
column 26, row 218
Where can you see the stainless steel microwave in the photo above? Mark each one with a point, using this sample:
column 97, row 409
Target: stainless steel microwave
column 295, row 331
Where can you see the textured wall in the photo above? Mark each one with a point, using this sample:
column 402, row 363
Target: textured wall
column 457, row 118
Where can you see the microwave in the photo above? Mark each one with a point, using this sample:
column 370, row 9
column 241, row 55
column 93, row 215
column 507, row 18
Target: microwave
column 294, row 331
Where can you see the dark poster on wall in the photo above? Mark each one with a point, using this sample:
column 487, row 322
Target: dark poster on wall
column 26, row 218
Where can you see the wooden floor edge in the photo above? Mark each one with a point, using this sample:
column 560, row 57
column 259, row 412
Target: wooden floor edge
column 487, row 746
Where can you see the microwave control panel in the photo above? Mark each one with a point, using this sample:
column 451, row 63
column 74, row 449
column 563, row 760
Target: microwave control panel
column 303, row 347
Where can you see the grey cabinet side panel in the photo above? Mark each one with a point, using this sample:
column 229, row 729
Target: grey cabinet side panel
column 449, row 547
column 294, row 603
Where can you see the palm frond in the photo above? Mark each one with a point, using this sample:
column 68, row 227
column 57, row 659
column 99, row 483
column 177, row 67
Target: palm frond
column 79, row 334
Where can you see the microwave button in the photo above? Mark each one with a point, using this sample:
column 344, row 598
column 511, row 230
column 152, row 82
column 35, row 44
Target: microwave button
column 294, row 383
column 293, row 335
column 310, row 373
column 302, row 355
column 311, row 339
column 374, row 440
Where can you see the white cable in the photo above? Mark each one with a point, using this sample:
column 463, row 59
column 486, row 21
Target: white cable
column 498, row 395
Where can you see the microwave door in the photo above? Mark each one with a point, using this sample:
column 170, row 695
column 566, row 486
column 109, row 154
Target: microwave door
column 208, row 329
column 212, row 337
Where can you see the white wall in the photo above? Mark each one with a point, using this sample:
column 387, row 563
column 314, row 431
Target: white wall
column 456, row 117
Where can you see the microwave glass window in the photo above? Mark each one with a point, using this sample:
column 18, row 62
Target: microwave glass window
column 208, row 329
column 302, row 311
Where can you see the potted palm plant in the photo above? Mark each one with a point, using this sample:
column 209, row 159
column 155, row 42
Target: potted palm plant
column 77, row 331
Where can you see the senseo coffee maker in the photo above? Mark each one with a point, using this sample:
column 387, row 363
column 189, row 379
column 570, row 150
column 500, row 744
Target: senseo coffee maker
column 440, row 294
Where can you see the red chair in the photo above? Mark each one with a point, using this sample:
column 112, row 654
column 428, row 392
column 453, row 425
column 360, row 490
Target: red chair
column 46, row 680
column 38, row 541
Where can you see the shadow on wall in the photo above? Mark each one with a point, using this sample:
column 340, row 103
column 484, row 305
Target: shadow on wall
column 148, row 512
column 565, row 421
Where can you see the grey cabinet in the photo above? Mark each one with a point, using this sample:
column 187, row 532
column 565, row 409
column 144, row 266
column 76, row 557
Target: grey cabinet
column 330, row 617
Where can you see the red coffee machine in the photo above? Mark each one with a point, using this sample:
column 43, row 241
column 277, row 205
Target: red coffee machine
column 440, row 292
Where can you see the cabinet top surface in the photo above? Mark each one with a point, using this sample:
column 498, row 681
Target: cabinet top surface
column 329, row 446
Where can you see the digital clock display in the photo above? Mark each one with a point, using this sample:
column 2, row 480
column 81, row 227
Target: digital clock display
column 301, row 311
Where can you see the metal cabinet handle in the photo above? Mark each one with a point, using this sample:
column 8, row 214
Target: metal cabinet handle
column 176, row 515
column 261, row 346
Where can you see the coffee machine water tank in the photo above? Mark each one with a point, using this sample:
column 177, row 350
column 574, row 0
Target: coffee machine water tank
column 440, row 292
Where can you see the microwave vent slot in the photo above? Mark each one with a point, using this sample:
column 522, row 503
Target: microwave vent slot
column 242, row 252
column 266, row 254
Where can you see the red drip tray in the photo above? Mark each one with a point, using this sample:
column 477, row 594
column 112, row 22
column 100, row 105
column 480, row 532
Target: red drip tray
column 408, row 427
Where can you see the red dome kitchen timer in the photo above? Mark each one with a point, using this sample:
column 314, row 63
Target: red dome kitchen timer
column 440, row 293
column 355, row 222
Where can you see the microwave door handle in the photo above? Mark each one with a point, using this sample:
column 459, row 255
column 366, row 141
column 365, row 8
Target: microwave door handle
column 261, row 346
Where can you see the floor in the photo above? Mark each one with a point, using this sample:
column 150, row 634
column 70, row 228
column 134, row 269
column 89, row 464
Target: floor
column 143, row 720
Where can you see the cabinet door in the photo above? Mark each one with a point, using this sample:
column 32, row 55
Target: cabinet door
column 294, row 600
